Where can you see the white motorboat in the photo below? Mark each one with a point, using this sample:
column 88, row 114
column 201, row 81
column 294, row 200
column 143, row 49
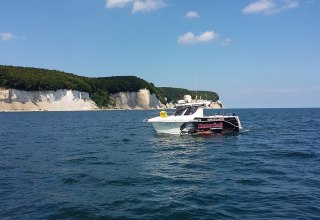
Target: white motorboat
column 189, row 119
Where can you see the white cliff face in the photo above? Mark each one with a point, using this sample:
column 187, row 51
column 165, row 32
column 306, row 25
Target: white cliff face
column 216, row 105
column 136, row 100
column 60, row 100
column 68, row 100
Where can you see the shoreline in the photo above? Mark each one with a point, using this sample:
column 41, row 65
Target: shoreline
column 89, row 110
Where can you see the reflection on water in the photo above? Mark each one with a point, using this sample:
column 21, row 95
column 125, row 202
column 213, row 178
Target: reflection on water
column 168, row 140
column 185, row 159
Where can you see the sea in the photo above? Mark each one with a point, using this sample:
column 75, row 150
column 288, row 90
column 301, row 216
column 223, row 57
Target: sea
column 112, row 165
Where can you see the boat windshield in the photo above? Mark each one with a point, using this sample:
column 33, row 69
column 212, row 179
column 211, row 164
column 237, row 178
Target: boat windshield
column 185, row 110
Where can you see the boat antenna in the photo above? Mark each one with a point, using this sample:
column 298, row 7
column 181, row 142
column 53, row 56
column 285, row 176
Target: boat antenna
column 196, row 85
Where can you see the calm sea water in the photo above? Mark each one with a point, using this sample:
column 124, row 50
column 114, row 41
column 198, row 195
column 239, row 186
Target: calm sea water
column 111, row 165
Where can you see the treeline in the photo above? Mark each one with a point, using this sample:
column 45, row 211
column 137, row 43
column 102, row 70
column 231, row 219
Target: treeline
column 175, row 94
column 37, row 79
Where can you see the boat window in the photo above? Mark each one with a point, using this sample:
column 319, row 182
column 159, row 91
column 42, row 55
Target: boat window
column 190, row 110
column 179, row 111
column 193, row 109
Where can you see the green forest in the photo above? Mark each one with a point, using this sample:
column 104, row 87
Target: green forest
column 37, row 79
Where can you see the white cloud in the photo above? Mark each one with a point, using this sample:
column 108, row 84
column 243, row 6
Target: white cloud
column 137, row 5
column 290, row 4
column 192, row 14
column 259, row 6
column 5, row 36
column 147, row 6
column 270, row 6
column 117, row 3
column 191, row 38
column 226, row 42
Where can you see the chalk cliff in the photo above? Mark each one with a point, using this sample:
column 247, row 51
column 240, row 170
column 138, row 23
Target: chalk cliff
column 135, row 100
column 60, row 100
column 71, row 100
column 216, row 105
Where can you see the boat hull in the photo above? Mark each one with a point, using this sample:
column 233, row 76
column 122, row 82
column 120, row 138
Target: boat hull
column 209, row 128
column 168, row 127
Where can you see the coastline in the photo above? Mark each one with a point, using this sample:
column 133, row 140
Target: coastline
column 169, row 107
column 89, row 110
column 12, row 100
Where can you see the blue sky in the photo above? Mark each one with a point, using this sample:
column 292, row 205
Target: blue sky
column 253, row 53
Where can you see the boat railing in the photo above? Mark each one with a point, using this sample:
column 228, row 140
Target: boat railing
column 225, row 114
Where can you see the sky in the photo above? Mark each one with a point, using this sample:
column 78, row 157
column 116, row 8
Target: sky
column 253, row 53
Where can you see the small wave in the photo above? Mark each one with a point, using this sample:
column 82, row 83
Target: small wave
column 102, row 162
column 273, row 172
column 74, row 213
column 251, row 182
column 244, row 131
column 69, row 180
column 300, row 154
column 121, row 182
column 126, row 140
column 79, row 178
column 7, row 168
column 87, row 159
column 195, row 166
column 128, row 181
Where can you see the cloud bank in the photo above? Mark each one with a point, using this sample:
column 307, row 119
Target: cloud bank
column 269, row 7
column 191, row 38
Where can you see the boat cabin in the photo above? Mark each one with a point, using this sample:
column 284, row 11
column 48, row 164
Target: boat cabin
column 186, row 110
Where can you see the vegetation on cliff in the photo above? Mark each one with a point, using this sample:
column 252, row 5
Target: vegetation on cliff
column 36, row 79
